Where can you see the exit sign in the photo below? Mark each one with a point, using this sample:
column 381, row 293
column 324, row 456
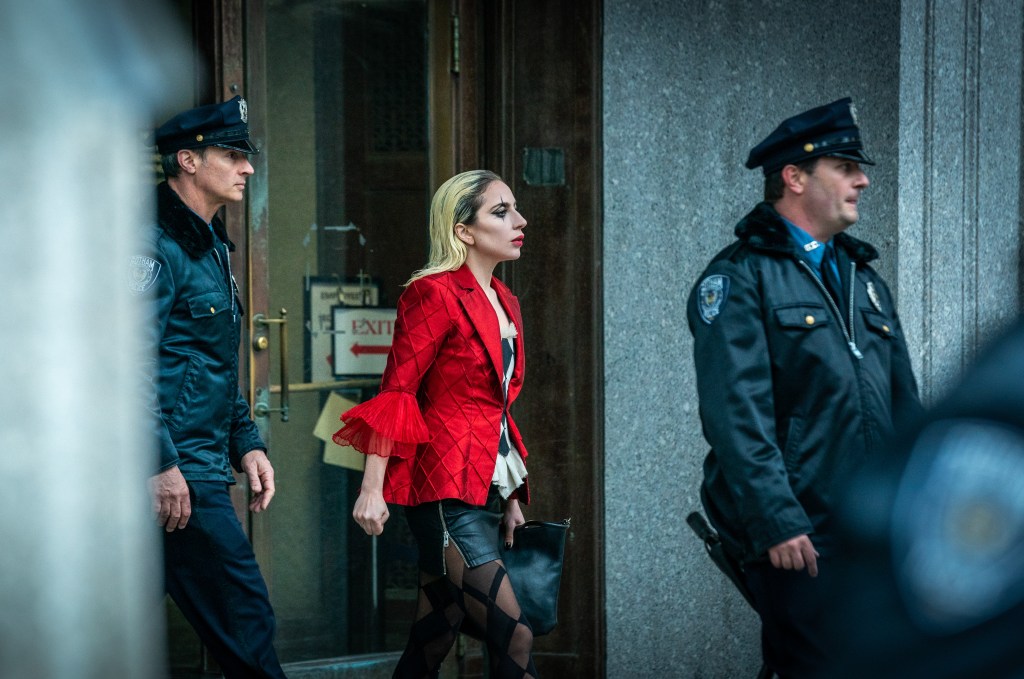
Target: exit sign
column 362, row 339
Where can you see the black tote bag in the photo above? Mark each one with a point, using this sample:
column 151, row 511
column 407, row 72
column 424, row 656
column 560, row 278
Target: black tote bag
column 534, row 566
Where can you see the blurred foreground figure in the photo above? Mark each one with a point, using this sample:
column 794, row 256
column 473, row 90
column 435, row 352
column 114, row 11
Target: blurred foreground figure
column 79, row 571
column 936, row 537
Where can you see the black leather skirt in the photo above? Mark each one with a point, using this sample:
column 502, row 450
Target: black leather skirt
column 476, row 531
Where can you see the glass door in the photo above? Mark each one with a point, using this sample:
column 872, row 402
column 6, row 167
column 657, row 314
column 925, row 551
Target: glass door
column 338, row 222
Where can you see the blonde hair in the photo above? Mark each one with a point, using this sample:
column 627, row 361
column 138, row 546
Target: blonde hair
column 457, row 201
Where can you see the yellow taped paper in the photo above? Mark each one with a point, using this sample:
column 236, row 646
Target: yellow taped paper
column 330, row 422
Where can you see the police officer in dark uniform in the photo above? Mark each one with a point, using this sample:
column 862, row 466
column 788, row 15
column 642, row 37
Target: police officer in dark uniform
column 801, row 370
column 934, row 583
column 196, row 412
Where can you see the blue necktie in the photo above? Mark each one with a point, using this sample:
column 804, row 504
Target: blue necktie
column 829, row 274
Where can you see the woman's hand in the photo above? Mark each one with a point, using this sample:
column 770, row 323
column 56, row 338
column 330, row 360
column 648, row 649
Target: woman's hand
column 371, row 512
column 513, row 517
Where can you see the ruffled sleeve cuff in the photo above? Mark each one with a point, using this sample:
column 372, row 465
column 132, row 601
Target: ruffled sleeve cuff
column 388, row 424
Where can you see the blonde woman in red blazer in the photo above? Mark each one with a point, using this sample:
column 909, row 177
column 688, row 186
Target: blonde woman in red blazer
column 439, row 438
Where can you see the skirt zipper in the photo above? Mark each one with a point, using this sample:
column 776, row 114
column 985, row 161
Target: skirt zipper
column 444, row 527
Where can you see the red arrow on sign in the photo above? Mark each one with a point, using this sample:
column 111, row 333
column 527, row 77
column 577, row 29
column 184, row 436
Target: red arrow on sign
column 358, row 349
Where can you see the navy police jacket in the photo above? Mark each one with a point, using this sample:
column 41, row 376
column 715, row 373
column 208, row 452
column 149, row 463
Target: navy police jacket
column 193, row 329
column 794, row 388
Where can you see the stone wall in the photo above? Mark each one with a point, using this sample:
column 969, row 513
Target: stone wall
column 688, row 89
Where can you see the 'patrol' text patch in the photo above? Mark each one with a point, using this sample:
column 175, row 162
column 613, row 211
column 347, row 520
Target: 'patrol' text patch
column 711, row 296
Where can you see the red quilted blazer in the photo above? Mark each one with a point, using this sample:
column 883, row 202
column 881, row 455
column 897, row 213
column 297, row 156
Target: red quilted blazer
column 438, row 414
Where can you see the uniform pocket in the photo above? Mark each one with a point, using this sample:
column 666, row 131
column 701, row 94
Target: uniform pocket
column 802, row 316
column 878, row 323
column 794, row 437
column 185, row 393
column 209, row 304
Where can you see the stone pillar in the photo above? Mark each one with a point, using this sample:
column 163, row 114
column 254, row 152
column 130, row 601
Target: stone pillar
column 959, row 180
column 79, row 554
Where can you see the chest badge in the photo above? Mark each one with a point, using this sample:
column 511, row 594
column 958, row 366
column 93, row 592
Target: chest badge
column 873, row 296
column 711, row 296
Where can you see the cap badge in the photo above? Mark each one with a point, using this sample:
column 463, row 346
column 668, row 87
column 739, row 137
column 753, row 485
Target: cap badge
column 243, row 110
column 711, row 296
column 873, row 296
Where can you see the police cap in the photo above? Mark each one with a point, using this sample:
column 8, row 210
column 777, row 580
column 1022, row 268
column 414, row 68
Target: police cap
column 225, row 124
column 829, row 130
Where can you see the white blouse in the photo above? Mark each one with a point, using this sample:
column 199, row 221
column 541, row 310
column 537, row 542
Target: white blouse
column 509, row 471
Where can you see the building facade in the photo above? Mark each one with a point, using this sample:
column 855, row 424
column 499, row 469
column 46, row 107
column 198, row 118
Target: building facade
column 622, row 127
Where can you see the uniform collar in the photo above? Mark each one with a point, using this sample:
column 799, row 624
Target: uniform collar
column 764, row 229
column 812, row 250
column 185, row 227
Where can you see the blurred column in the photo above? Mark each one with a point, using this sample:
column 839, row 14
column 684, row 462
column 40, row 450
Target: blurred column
column 80, row 588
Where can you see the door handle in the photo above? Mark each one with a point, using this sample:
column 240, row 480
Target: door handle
column 260, row 343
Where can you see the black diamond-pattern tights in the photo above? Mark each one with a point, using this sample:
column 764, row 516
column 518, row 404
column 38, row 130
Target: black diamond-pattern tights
column 478, row 601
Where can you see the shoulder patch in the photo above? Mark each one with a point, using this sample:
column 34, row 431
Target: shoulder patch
column 711, row 295
column 142, row 273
